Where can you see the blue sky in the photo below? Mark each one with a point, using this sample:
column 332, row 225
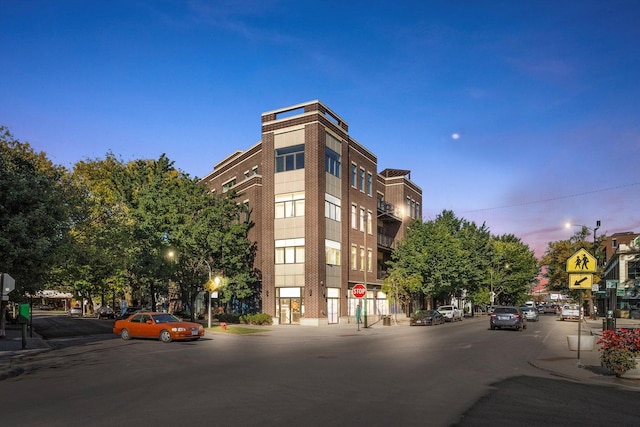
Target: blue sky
column 520, row 114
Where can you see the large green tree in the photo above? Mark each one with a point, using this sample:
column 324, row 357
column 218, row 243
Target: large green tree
column 34, row 214
column 513, row 270
column 448, row 254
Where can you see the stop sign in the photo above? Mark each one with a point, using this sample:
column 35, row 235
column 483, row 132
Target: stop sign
column 359, row 290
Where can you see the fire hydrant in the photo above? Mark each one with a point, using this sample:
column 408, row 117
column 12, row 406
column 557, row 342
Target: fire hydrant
column 224, row 325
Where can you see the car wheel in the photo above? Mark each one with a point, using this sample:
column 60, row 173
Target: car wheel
column 125, row 334
column 165, row 336
column 492, row 327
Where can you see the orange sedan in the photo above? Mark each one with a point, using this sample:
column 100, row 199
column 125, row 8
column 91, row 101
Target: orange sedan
column 166, row 327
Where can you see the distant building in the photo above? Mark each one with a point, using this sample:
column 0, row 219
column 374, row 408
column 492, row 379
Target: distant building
column 610, row 245
column 325, row 218
column 621, row 280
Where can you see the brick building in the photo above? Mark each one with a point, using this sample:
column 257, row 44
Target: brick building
column 325, row 219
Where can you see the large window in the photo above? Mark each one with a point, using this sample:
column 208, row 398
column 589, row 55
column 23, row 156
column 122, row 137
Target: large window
column 289, row 205
column 332, row 162
column 354, row 175
column 354, row 257
column 369, row 184
column 354, row 217
column 332, row 207
column 332, row 249
column 290, row 158
column 361, row 180
column 227, row 185
column 290, row 251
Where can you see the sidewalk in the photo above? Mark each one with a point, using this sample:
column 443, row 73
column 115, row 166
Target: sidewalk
column 557, row 359
column 11, row 344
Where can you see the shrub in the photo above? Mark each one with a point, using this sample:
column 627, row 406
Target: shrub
column 620, row 348
column 256, row 319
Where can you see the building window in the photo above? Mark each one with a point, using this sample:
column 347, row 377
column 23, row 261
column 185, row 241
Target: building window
column 362, row 259
column 361, row 219
column 255, row 170
column 227, row 185
column 369, row 260
column 332, row 207
column 332, row 162
column 614, row 243
column 354, row 217
column 290, row 251
column 290, row 158
column 332, row 251
column 408, row 212
column 354, row 257
column 361, row 180
column 289, row 205
column 418, row 212
column 413, row 209
column 369, row 223
column 354, row 175
column 369, row 184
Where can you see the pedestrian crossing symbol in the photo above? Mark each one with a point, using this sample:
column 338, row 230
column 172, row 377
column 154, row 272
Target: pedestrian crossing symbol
column 581, row 262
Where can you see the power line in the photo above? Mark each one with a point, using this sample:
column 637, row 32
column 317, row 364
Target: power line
column 553, row 198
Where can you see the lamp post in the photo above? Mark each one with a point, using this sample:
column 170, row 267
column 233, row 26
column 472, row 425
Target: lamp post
column 210, row 292
column 365, row 268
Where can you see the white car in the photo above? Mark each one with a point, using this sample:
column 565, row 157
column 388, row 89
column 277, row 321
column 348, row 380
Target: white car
column 450, row 312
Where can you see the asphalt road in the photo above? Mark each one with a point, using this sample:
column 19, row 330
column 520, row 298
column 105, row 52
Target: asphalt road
column 453, row 374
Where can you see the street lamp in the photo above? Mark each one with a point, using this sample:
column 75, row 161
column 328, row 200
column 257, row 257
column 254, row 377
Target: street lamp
column 216, row 281
column 595, row 229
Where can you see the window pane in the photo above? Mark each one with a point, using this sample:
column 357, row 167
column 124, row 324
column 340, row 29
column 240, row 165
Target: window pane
column 299, row 207
column 300, row 160
column 289, row 255
column 279, row 210
column 279, row 255
column 300, row 254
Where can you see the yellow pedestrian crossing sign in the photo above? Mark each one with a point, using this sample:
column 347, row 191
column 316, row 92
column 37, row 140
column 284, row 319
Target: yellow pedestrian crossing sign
column 581, row 262
column 580, row 281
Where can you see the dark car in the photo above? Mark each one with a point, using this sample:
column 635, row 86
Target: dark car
column 426, row 317
column 507, row 317
column 105, row 313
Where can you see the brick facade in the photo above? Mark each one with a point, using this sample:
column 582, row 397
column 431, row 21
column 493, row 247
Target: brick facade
column 325, row 296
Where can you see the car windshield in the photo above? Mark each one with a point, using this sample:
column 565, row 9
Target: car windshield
column 505, row 310
column 165, row 318
column 445, row 307
column 423, row 313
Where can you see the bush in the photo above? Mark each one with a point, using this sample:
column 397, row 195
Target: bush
column 228, row 318
column 256, row 319
column 620, row 348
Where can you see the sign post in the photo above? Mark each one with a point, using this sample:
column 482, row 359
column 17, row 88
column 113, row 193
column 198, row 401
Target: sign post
column 581, row 266
column 359, row 291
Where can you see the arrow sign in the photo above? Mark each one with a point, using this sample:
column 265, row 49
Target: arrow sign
column 580, row 281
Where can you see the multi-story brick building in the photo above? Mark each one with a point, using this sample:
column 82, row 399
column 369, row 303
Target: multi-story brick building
column 325, row 219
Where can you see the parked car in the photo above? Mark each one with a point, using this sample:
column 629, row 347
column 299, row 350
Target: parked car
column 550, row 309
column 530, row 313
column 570, row 312
column 44, row 307
column 163, row 326
column 507, row 317
column 105, row 313
column 75, row 311
column 426, row 317
column 450, row 312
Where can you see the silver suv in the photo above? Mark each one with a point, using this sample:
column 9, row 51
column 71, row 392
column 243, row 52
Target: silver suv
column 450, row 312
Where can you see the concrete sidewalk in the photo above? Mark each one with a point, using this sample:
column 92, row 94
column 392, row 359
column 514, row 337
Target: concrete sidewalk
column 12, row 343
column 557, row 359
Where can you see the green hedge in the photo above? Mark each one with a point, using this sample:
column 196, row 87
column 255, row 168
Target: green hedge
column 256, row 319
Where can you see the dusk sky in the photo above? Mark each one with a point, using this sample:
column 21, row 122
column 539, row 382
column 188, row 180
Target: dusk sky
column 519, row 114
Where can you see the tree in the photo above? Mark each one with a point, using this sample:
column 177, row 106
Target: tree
column 449, row 255
column 34, row 215
column 513, row 269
